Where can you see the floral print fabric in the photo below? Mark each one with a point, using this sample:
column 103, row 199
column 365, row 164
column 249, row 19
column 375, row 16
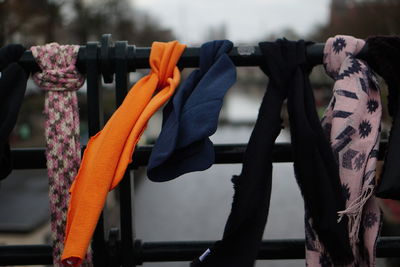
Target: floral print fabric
column 352, row 124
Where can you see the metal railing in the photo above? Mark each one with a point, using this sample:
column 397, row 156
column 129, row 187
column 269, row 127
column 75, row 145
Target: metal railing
column 119, row 247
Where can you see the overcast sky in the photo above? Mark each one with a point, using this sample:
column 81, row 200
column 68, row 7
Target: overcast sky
column 246, row 21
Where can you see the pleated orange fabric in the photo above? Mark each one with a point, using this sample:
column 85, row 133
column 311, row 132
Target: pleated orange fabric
column 109, row 152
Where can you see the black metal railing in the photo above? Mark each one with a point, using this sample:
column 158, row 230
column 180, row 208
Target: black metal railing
column 119, row 247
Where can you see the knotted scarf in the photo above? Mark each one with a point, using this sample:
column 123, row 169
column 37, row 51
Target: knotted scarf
column 109, row 152
column 192, row 116
column 383, row 56
column 315, row 167
column 352, row 123
column 60, row 79
column 13, row 80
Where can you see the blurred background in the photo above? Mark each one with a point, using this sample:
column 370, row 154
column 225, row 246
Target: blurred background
column 194, row 206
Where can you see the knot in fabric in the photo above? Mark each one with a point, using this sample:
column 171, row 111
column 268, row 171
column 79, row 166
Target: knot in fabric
column 10, row 54
column 60, row 79
column 211, row 52
column 57, row 63
column 280, row 70
column 383, row 57
column 109, row 152
column 337, row 50
column 162, row 62
column 192, row 116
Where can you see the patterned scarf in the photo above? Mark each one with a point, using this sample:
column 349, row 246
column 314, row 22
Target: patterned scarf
column 60, row 79
column 352, row 123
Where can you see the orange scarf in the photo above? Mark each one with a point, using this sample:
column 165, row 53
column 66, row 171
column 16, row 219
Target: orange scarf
column 109, row 152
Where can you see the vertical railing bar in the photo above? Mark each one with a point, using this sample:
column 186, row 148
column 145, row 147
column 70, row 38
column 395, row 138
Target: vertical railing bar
column 126, row 185
column 95, row 122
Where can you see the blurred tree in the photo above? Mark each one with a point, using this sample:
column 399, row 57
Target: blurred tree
column 29, row 21
column 149, row 31
column 82, row 18
column 77, row 21
column 73, row 22
column 93, row 18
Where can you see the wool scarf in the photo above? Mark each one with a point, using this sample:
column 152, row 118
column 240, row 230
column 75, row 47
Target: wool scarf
column 352, row 123
column 13, row 80
column 192, row 116
column 315, row 167
column 383, row 55
column 109, row 152
column 60, row 79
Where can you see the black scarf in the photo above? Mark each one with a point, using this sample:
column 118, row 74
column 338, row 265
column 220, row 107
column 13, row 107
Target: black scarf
column 383, row 55
column 314, row 163
column 12, row 90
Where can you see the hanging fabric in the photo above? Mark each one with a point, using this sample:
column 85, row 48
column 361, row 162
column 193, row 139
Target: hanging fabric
column 384, row 57
column 60, row 79
column 315, row 168
column 192, row 116
column 352, row 123
column 109, row 152
column 13, row 80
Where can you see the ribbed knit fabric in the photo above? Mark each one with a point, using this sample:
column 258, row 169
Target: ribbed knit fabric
column 315, row 168
column 109, row 152
column 60, row 79
column 383, row 55
column 13, row 80
column 352, row 123
column 192, row 116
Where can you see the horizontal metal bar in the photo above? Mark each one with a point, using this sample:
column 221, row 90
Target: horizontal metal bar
column 224, row 154
column 139, row 58
column 184, row 251
column 34, row 158
column 26, row 255
column 269, row 250
column 189, row 250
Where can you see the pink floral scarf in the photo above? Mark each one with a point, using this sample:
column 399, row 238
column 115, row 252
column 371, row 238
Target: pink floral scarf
column 352, row 124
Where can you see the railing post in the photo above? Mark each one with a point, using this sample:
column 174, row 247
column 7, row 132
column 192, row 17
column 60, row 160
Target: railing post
column 126, row 186
column 95, row 123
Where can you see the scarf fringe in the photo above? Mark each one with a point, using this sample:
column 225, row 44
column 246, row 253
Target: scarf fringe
column 354, row 213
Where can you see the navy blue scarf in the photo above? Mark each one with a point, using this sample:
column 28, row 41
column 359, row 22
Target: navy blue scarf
column 191, row 116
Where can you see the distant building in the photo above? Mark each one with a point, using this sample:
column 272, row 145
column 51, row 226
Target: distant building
column 340, row 9
column 363, row 18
